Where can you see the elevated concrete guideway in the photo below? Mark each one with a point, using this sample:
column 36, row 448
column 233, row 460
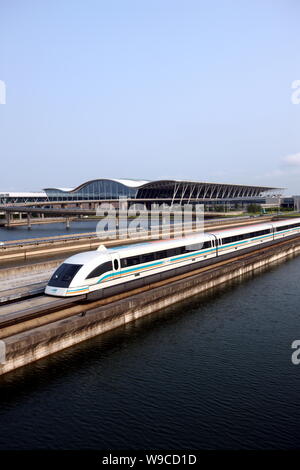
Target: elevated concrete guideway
column 47, row 210
column 61, row 214
column 66, row 213
column 43, row 208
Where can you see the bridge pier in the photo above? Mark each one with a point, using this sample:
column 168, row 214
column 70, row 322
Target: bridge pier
column 67, row 222
column 8, row 219
column 28, row 220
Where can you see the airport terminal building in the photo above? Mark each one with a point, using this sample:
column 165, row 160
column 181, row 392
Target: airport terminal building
column 228, row 196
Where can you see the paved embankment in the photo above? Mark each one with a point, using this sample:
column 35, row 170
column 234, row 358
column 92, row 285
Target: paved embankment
column 19, row 276
column 30, row 290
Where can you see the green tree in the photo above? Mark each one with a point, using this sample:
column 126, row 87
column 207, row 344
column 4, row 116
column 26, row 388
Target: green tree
column 253, row 208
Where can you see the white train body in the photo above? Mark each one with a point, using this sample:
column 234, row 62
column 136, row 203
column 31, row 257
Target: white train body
column 114, row 270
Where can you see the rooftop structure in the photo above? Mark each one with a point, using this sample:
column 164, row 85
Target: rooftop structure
column 188, row 190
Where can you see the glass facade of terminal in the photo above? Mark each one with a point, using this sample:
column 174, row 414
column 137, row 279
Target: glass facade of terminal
column 94, row 190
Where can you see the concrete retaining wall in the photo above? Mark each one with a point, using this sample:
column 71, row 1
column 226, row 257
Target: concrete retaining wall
column 19, row 271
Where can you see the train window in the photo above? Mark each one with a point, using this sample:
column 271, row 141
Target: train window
column 134, row 260
column 64, row 275
column 101, row 269
column 227, row 240
column 158, row 255
column 171, row 252
column 147, row 257
column 245, row 236
column 262, row 232
column 258, row 233
column 131, row 261
column 197, row 246
column 161, row 254
column 287, row 227
column 236, row 238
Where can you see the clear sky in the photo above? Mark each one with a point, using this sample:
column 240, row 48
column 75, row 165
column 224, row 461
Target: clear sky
column 149, row 89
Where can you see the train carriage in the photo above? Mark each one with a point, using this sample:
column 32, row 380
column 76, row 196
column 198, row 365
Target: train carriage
column 241, row 238
column 103, row 268
column 286, row 228
column 105, row 271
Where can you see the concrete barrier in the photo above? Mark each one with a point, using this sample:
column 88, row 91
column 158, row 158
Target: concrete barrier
column 19, row 271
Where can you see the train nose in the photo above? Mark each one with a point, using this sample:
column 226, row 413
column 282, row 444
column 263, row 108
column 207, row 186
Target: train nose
column 59, row 291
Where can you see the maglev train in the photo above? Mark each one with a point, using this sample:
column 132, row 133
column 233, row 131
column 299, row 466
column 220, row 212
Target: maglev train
column 108, row 271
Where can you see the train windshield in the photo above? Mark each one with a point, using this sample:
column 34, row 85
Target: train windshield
column 101, row 269
column 64, row 275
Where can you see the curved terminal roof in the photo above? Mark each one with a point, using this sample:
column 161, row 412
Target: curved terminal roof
column 187, row 182
column 183, row 189
column 135, row 183
column 130, row 183
column 106, row 188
